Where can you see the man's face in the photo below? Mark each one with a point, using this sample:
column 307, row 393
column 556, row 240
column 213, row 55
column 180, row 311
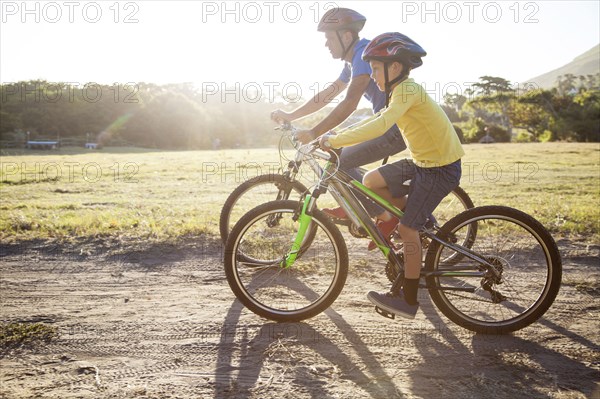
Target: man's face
column 333, row 44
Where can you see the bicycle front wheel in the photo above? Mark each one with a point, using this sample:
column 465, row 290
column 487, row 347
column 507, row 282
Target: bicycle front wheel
column 253, row 192
column 254, row 253
column 527, row 273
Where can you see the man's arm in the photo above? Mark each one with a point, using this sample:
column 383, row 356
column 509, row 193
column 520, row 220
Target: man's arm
column 345, row 108
column 319, row 101
column 339, row 114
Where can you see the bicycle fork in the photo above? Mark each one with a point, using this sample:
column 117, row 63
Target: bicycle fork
column 289, row 176
column 304, row 217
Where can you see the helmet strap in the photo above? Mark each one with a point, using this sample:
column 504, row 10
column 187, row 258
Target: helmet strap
column 344, row 48
column 389, row 84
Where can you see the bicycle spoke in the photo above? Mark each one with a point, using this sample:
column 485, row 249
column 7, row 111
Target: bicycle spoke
column 254, row 192
column 267, row 285
column 524, row 280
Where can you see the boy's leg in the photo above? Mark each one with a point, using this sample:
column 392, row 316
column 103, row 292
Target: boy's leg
column 412, row 262
column 375, row 181
column 387, row 222
column 427, row 190
column 405, row 304
column 365, row 153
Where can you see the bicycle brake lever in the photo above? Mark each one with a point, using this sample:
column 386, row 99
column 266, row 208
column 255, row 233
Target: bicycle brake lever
column 284, row 126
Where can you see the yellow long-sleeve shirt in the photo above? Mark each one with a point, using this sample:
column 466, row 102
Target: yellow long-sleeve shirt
column 426, row 129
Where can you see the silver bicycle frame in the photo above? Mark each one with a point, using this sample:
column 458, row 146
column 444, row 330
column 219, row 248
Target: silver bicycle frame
column 306, row 153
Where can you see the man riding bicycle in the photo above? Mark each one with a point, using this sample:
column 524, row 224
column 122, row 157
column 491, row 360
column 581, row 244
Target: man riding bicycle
column 341, row 27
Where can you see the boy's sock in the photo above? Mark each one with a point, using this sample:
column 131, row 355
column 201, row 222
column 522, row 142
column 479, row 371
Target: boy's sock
column 411, row 286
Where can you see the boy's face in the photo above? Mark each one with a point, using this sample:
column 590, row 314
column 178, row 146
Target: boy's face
column 378, row 72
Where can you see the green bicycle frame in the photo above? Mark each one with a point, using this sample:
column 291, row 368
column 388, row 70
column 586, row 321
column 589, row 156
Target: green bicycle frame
column 354, row 209
column 367, row 223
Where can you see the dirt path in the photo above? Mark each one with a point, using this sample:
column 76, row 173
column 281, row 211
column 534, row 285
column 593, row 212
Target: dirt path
column 161, row 322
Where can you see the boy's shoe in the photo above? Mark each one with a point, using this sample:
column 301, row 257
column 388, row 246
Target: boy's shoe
column 395, row 304
column 335, row 213
column 386, row 228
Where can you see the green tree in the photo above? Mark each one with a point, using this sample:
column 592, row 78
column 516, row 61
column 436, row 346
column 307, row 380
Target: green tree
column 493, row 101
column 453, row 107
column 489, row 85
column 566, row 83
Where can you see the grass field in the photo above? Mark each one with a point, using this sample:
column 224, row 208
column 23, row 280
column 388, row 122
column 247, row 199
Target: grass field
column 155, row 195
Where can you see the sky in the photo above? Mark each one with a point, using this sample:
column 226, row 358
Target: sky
column 273, row 45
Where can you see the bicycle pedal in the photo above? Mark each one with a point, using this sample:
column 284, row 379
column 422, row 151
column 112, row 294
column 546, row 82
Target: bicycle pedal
column 341, row 222
column 385, row 313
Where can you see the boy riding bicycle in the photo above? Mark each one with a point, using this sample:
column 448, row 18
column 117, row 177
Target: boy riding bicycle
column 341, row 27
column 434, row 146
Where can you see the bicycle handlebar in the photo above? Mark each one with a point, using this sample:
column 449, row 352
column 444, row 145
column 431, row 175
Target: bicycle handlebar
column 286, row 126
column 311, row 147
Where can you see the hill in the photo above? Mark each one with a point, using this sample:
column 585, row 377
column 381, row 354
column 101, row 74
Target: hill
column 587, row 63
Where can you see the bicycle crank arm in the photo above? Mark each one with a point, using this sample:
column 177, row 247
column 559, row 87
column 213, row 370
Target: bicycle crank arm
column 453, row 274
column 342, row 222
column 466, row 289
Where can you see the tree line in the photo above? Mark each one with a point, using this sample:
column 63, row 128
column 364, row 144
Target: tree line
column 495, row 108
column 180, row 116
column 174, row 116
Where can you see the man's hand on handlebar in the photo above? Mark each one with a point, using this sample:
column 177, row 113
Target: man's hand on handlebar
column 281, row 117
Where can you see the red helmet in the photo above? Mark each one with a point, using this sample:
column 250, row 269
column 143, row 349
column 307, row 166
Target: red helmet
column 394, row 46
column 341, row 19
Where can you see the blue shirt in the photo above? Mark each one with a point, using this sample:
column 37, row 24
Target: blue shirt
column 362, row 67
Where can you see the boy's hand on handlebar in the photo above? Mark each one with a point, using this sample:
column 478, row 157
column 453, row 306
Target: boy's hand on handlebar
column 324, row 141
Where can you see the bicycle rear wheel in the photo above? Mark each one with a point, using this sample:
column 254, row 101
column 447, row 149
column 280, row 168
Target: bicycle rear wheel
column 522, row 252
column 253, row 192
column 254, row 253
